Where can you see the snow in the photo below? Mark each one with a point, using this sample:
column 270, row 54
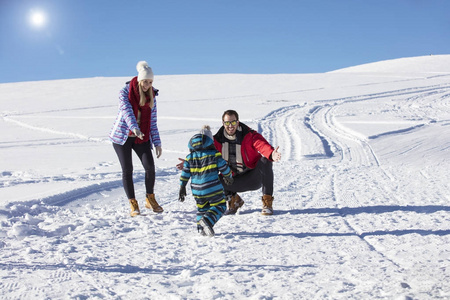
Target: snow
column 361, row 194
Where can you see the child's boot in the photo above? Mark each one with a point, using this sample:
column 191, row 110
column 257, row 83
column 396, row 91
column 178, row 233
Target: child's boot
column 200, row 230
column 134, row 208
column 267, row 205
column 206, row 228
column 150, row 203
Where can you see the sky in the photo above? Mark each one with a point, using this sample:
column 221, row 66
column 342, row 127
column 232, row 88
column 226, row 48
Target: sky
column 82, row 39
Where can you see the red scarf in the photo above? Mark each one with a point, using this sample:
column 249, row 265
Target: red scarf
column 146, row 110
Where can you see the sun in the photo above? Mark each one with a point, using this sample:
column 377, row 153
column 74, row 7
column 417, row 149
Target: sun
column 37, row 18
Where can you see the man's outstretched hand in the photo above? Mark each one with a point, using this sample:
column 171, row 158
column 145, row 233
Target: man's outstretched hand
column 180, row 165
column 276, row 156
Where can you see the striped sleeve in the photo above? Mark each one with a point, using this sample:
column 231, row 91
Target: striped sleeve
column 126, row 109
column 185, row 172
column 125, row 120
column 222, row 165
column 154, row 132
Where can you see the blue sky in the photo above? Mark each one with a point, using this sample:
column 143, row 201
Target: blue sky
column 90, row 38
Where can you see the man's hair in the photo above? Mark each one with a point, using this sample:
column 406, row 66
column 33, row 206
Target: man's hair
column 231, row 112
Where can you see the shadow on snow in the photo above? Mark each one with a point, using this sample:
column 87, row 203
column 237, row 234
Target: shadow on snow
column 378, row 209
column 128, row 269
column 344, row 211
column 344, row 234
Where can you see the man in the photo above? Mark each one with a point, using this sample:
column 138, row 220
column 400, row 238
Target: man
column 250, row 157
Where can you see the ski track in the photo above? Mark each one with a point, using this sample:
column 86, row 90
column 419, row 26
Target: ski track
column 416, row 91
column 53, row 131
column 354, row 153
column 284, row 128
column 350, row 148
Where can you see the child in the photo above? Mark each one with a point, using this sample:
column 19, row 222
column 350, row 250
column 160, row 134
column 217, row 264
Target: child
column 202, row 165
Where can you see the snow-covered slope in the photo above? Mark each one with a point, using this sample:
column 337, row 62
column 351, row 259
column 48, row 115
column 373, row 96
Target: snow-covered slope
column 421, row 64
column 361, row 195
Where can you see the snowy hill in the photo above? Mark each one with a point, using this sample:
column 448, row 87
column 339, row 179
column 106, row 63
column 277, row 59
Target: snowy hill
column 421, row 64
column 361, row 194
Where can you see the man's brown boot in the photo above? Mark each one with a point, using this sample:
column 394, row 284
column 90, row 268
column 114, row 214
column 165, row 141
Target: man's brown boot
column 134, row 208
column 234, row 204
column 150, row 203
column 267, row 205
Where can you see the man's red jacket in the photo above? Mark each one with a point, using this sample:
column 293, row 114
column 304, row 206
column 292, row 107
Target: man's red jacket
column 253, row 145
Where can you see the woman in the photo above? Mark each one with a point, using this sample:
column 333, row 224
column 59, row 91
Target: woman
column 136, row 129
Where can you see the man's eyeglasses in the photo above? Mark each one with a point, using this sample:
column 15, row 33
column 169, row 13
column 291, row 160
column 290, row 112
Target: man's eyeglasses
column 228, row 123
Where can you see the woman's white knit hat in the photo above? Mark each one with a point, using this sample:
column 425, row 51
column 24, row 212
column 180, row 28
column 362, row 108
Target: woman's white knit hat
column 144, row 71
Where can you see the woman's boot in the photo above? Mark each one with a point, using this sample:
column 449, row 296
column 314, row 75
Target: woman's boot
column 150, row 203
column 134, row 208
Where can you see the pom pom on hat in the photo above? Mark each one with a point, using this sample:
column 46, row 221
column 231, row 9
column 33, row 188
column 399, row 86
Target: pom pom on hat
column 206, row 130
column 144, row 71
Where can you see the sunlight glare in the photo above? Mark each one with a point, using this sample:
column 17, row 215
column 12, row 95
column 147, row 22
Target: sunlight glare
column 37, row 18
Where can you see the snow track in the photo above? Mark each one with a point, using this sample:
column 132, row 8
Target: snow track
column 349, row 145
column 350, row 159
column 53, row 131
column 290, row 129
column 285, row 127
column 352, row 150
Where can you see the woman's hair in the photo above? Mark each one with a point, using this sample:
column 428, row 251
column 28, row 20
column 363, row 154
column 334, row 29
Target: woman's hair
column 143, row 98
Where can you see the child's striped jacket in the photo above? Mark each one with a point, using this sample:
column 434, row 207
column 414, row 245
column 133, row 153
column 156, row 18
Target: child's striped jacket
column 202, row 166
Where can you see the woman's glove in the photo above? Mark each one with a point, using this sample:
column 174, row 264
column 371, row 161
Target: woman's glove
column 228, row 180
column 182, row 194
